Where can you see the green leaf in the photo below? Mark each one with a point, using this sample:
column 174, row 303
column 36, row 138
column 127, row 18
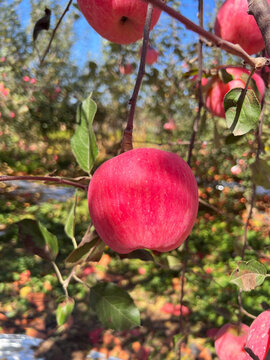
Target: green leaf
column 261, row 173
column 242, row 110
column 83, row 142
column 70, row 224
column 248, row 275
column 141, row 254
column 97, row 251
column 173, row 262
column 64, row 311
column 50, row 240
column 37, row 239
column 114, row 307
column 224, row 76
column 252, row 84
column 82, row 251
column 231, row 139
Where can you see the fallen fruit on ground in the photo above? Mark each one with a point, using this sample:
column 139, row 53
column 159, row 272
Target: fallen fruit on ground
column 143, row 199
column 234, row 24
column 258, row 339
column 119, row 21
column 230, row 341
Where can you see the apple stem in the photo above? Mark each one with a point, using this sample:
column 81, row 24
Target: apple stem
column 127, row 136
column 44, row 178
column 231, row 48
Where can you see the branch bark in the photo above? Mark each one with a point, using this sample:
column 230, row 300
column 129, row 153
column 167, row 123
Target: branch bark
column 260, row 9
column 231, row 48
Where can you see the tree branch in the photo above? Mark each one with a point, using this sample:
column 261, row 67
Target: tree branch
column 127, row 136
column 54, row 32
column 231, row 48
column 260, row 9
column 44, row 178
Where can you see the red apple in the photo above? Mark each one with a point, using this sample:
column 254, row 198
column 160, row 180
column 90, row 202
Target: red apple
column 119, row 21
column 151, row 55
column 234, row 24
column 217, row 91
column 126, row 69
column 230, row 342
column 143, row 198
column 258, row 339
column 170, row 125
column 236, row 170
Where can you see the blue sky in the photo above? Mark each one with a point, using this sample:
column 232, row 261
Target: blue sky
column 89, row 42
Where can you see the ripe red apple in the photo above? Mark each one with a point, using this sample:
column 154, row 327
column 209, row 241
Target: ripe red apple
column 151, row 55
column 258, row 339
column 217, row 91
column 234, row 24
column 126, row 69
column 143, row 198
column 119, row 21
column 230, row 342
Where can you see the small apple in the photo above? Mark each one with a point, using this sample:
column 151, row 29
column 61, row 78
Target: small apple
column 218, row 89
column 119, row 21
column 151, row 55
column 126, row 69
column 230, row 341
column 234, row 24
column 236, row 170
column 143, row 198
column 170, row 125
column 258, row 339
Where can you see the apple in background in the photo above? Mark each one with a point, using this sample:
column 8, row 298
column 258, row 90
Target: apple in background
column 119, row 21
column 217, row 91
column 230, row 341
column 151, row 55
column 234, row 24
column 236, row 170
column 143, row 198
column 258, row 339
column 126, row 69
column 170, row 125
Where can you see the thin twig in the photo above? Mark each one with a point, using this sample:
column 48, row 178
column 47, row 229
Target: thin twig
column 191, row 146
column 253, row 194
column 127, row 136
column 231, row 48
column 54, row 32
column 59, row 277
column 245, row 312
column 44, row 178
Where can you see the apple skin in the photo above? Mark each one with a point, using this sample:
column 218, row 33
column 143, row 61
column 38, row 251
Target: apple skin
column 143, row 199
column 126, row 69
column 229, row 343
column 119, row 21
column 215, row 95
column 151, row 55
column 234, row 24
column 258, row 339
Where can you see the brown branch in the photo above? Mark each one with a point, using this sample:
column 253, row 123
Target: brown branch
column 127, row 136
column 260, row 9
column 191, row 146
column 231, row 48
column 245, row 312
column 44, row 178
column 54, row 32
